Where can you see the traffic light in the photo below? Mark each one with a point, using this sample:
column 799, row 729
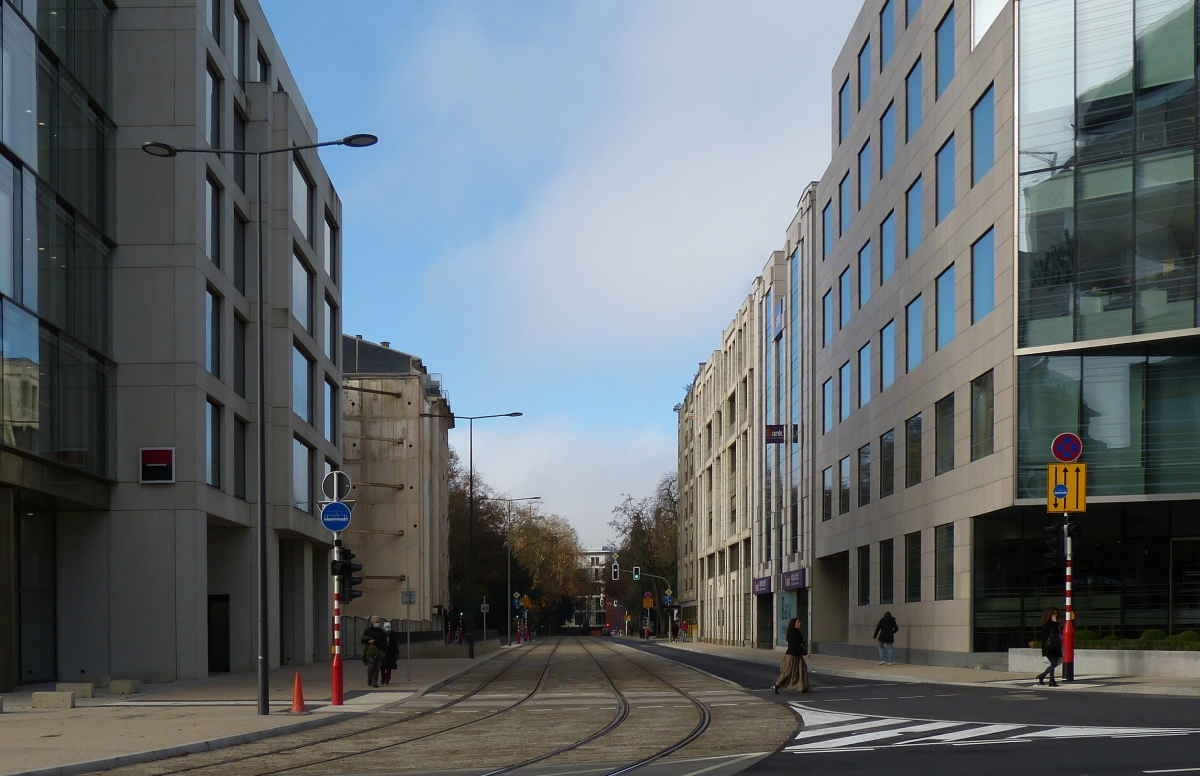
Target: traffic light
column 616, row 572
column 1074, row 530
column 1053, row 544
column 637, row 572
column 344, row 569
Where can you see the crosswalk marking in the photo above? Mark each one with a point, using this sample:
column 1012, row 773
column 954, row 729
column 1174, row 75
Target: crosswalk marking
column 826, row 731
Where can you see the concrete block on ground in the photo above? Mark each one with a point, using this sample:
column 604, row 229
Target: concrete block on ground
column 54, row 700
column 124, row 686
column 1, row 704
column 81, row 689
column 99, row 681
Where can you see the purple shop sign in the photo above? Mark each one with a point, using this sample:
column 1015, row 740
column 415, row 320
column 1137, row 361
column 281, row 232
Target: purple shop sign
column 794, row 580
column 762, row 585
column 776, row 435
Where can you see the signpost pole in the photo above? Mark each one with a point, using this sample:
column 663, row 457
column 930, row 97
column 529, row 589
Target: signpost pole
column 1068, row 636
column 484, row 608
column 336, row 677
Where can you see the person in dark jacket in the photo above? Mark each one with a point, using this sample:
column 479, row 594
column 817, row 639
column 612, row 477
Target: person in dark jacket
column 391, row 652
column 1051, row 644
column 793, row 674
column 373, row 640
column 885, row 634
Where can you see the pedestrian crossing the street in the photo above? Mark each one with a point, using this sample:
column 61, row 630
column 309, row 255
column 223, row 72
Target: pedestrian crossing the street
column 828, row 731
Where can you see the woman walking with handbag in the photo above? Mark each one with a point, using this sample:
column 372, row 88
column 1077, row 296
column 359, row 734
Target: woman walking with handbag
column 793, row 674
column 1051, row 644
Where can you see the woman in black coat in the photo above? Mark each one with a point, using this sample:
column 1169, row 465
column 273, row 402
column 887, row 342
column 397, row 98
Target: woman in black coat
column 793, row 674
column 391, row 651
column 1051, row 644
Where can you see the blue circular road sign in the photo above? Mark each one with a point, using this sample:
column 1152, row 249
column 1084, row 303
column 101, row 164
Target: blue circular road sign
column 1067, row 447
column 1060, row 491
column 335, row 516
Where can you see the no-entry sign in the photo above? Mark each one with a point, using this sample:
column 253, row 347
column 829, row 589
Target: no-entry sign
column 1066, row 447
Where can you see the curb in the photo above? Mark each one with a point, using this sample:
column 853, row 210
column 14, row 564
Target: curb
column 212, row 744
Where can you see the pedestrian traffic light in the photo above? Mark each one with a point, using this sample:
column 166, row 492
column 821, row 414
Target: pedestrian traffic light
column 1074, row 530
column 637, row 572
column 344, row 569
column 616, row 572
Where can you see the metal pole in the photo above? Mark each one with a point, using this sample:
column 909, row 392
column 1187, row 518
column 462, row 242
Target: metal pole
column 507, row 598
column 471, row 546
column 1068, row 635
column 336, row 678
column 485, row 621
column 264, row 705
column 408, row 625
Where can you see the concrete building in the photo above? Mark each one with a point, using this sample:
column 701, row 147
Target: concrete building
column 593, row 610
column 129, row 323
column 396, row 420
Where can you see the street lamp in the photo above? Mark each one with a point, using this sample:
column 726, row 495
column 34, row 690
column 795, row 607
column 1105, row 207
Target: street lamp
column 165, row 151
column 508, row 548
column 471, row 517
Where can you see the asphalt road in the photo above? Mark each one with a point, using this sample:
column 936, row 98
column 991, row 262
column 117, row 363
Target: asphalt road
column 861, row 726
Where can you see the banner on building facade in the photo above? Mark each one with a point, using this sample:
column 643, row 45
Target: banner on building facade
column 762, row 585
column 776, row 435
column 795, row 579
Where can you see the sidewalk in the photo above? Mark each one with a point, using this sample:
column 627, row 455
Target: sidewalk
column 965, row 677
column 166, row 720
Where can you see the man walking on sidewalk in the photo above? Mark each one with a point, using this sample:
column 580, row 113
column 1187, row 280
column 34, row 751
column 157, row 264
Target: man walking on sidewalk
column 374, row 640
column 885, row 634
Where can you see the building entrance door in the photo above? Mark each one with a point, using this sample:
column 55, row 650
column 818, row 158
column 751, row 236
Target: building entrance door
column 765, row 622
column 1185, row 585
column 36, row 597
column 218, row 634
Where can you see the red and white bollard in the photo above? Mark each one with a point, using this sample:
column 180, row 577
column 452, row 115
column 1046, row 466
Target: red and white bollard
column 1068, row 634
column 336, row 678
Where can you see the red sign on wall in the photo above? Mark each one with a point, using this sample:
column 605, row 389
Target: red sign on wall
column 157, row 465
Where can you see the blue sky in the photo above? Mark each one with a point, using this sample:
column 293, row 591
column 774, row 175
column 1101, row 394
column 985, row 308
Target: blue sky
column 567, row 205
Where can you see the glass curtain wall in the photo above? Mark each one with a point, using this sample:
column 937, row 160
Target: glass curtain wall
column 1107, row 203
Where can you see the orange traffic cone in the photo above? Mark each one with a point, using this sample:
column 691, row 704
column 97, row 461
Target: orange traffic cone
column 298, row 697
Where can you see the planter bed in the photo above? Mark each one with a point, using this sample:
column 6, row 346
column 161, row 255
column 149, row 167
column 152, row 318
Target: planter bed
column 1176, row 660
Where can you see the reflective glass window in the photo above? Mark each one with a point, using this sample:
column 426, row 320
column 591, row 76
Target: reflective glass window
column 864, row 275
column 912, row 451
column 910, row 13
column 239, row 252
column 1166, row 72
column 302, row 456
column 845, row 297
column 1047, row 84
column 887, row 247
column 212, row 86
column 983, row 275
column 212, row 333
column 827, row 228
column 945, row 308
column 887, row 355
column 845, row 205
column 827, row 493
column 864, row 555
column 302, row 388
column 943, row 562
column 864, row 73
column 844, row 110
column 827, row 317
column 22, row 378
column 240, row 432
column 864, row 174
column 887, row 463
column 20, row 88
column 983, row 416
column 1166, row 242
column 301, row 199
column 943, row 435
column 864, row 374
column 887, row 570
column 827, row 406
column 912, row 327
column 333, row 408
column 212, row 221
column 844, row 485
column 302, row 283
column 1103, row 78
column 10, row 228
column 912, row 567
column 212, row 443
column 983, row 135
column 913, row 207
column 912, row 100
column 847, row 385
column 331, row 330
column 1104, row 250
column 1048, row 405
column 887, row 33
column 945, row 179
column 239, row 356
column 944, row 40
column 887, row 139
column 1172, row 424
column 1046, row 247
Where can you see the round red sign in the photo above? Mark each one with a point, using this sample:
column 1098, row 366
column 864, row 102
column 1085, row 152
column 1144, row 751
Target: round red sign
column 1067, row 447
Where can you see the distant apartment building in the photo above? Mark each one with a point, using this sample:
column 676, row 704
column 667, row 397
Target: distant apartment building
column 396, row 420
column 592, row 609
column 128, row 488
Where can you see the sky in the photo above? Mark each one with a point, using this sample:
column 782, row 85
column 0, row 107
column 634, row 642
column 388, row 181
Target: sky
column 568, row 204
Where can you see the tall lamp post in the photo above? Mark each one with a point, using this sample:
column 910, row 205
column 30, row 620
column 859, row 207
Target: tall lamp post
column 165, row 151
column 508, row 548
column 471, row 517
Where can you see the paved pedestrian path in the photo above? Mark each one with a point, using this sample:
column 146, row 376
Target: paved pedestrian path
column 190, row 716
column 867, row 669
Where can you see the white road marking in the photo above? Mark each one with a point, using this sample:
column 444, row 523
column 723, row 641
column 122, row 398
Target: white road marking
column 959, row 735
column 824, row 731
column 1174, row 770
column 863, row 738
column 724, row 764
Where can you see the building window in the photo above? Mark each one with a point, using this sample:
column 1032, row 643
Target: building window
column 914, row 203
column 302, row 199
column 827, row 397
column 847, row 211
column 887, row 139
column 983, row 275
column 943, row 562
column 887, row 247
column 864, row 174
column 844, row 110
column 944, row 42
column 240, row 28
column 864, row 275
column 212, row 443
column 212, row 221
column 912, row 326
column 945, row 179
column 887, row 355
column 844, row 485
column 212, row 93
column 983, row 135
column 239, row 144
column 911, row 11
column 943, row 435
column 827, row 228
column 330, row 253
column 944, row 299
column 864, row 575
column 887, row 34
column 302, row 380
column 864, row 73
column 212, row 17
column 912, row 451
column 302, row 463
column 827, row 317
column 864, row 375
column 845, row 295
column 864, row 475
column 845, row 382
column 827, row 494
column 239, row 253
column 983, row 416
column 333, row 408
column 262, row 67
column 302, row 283
column 239, row 457
column 887, row 463
column 331, row 329
column 212, row 332
column 239, row 356
column 912, row 99
column 912, row 567
column 887, row 571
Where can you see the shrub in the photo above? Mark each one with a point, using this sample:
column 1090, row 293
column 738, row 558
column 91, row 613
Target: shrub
column 1188, row 636
column 1086, row 635
column 1154, row 634
column 1173, row 640
column 1111, row 638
